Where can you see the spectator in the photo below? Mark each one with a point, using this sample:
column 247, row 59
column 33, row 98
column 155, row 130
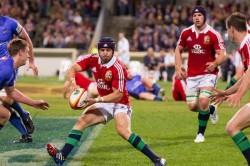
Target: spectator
column 162, row 67
column 170, row 63
column 123, row 7
column 123, row 49
column 151, row 64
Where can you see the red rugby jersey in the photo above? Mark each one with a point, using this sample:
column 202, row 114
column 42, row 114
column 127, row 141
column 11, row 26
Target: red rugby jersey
column 113, row 74
column 83, row 81
column 201, row 49
column 244, row 51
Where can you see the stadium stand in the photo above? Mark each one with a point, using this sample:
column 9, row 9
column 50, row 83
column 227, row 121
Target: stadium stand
column 154, row 23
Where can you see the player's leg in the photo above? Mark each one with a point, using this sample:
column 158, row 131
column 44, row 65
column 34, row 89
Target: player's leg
column 4, row 116
column 192, row 93
column 240, row 121
column 91, row 116
column 123, row 127
column 151, row 86
column 204, row 113
column 27, row 120
column 150, row 96
column 17, row 123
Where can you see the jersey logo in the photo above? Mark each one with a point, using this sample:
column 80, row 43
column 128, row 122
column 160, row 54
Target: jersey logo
column 101, row 84
column 4, row 31
column 189, row 39
column 206, row 39
column 197, row 49
column 243, row 58
column 108, row 75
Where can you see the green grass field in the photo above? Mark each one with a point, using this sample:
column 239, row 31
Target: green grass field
column 167, row 127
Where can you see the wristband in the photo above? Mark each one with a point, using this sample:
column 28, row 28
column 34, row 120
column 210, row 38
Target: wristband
column 102, row 99
column 97, row 100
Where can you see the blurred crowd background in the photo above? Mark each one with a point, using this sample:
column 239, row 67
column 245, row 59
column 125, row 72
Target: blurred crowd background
column 156, row 26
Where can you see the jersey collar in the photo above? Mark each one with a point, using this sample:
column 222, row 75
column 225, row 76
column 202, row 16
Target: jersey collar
column 109, row 64
column 244, row 40
column 203, row 31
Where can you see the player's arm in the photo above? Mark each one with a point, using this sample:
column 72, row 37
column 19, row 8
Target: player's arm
column 224, row 93
column 221, row 57
column 240, row 86
column 70, row 84
column 235, row 99
column 178, row 61
column 110, row 98
column 24, row 35
column 20, row 97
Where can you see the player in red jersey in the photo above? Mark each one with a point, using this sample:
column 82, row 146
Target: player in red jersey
column 113, row 102
column 206, row 51
column 178, row 88
column 237, row 32
column 83, row 82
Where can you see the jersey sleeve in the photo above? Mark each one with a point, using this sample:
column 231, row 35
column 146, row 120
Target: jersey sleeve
column 119, row 79
column 182, row 40
column 16, row 28
column 87, row 60
column 218, row 41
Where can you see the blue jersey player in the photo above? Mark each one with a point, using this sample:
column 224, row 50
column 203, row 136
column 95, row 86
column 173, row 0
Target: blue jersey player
column 143, row 88
column 8, row 29
column 18, row 50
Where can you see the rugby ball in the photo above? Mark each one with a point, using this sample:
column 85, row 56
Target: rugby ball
column 77, row 97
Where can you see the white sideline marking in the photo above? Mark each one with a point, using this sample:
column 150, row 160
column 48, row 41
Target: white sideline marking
column 83, row 149
column 41, row 156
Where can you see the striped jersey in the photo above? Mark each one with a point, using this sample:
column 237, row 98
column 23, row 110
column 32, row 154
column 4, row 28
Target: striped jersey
column 244, row 51
column 201, row 49
column 112, row 74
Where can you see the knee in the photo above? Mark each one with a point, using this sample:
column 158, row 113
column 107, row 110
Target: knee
column 203, row 104
column 81, row 123
column 124, row 133
column 231, row 130
column 4, row 117
column 6, row 100
column 192, row 107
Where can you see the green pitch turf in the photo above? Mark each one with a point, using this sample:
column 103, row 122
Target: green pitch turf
column 167, row 127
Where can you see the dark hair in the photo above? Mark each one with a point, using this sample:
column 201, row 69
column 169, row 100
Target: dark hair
column 200, row 9
column 106, row 42
column 16, row 45
column 238, row 21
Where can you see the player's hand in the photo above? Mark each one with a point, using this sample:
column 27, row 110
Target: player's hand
column 219, row 97
column 41, row 104
column 88, row 102
column 181, row 75
column 211, row 66
column 233, row 100
column 33, row 67
column 68, row 88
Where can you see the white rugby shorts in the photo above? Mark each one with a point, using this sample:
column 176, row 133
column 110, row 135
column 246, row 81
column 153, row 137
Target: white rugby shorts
column 109, row 110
